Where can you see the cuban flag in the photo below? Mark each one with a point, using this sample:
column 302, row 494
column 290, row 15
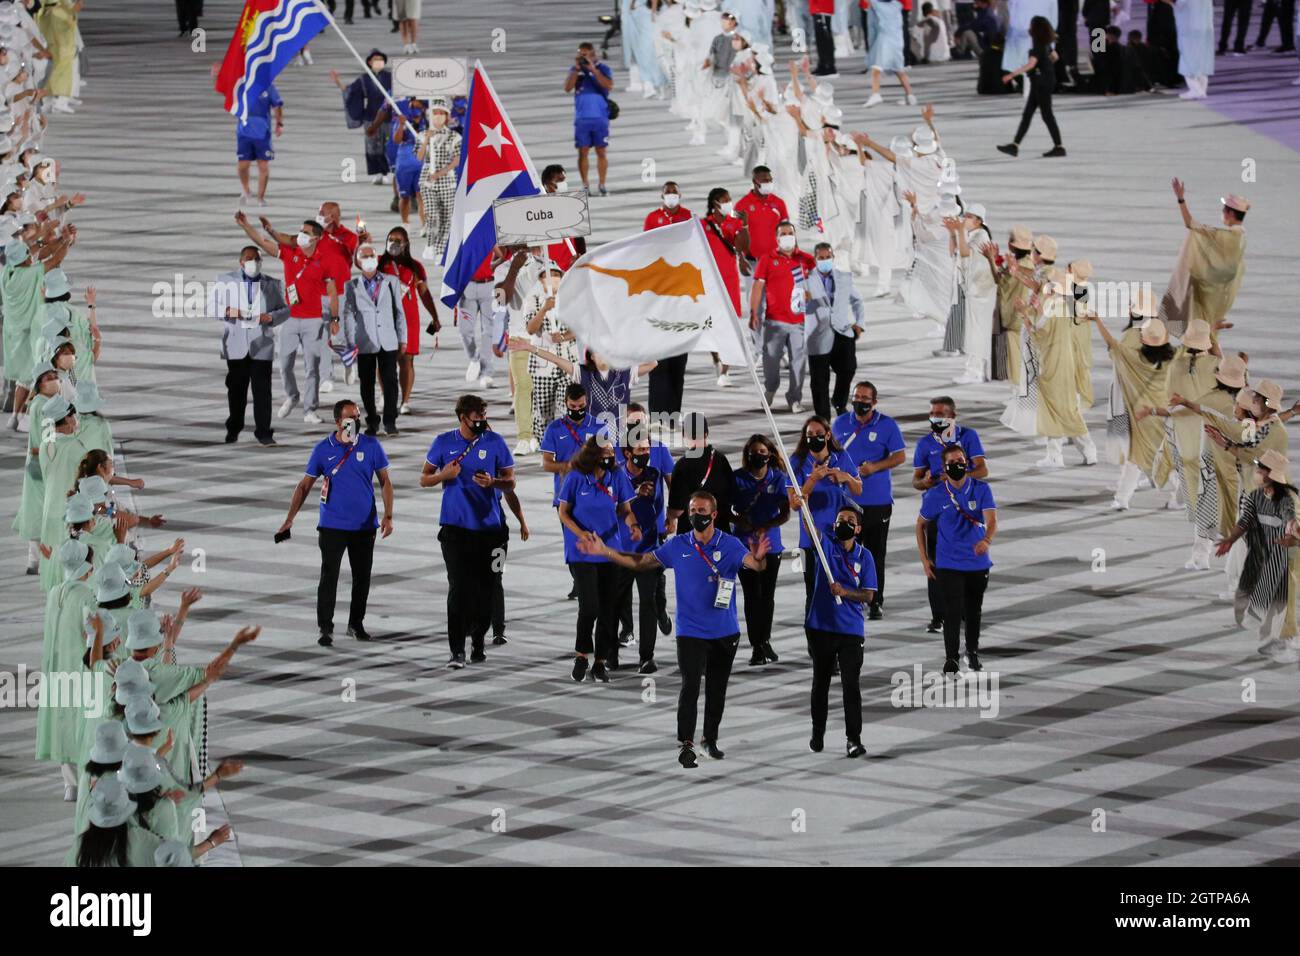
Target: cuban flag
column 493, row 165
column 269, row 34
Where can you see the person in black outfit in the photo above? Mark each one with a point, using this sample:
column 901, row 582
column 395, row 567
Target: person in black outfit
column 1067, row 44
column 187, row 15
column 1162, row 36
column 1284, row 12
column 667, row 382
column 1241, row 10
column 1042, row 82
column 701, row 468
column 825, row 40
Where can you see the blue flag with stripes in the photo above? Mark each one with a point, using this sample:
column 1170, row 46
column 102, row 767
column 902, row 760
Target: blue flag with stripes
column 278, row 36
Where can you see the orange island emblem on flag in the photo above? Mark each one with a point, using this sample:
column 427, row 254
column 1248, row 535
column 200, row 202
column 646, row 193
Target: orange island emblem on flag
column 659, row 277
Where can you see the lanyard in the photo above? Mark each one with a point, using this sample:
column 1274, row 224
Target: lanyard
column 572, row 431
column 960, row 510
column 468, row 448
column 855, row 432
column 707, row 471
column 607, row 491
column 347, row 454
column 727, row 244
column 698, row 550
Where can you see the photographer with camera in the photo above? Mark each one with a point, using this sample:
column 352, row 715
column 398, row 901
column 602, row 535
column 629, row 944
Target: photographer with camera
column 348, row 461
column 590, row 81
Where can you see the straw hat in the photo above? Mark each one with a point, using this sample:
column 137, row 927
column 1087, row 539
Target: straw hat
column 1233, row 201
column 1154, row 332
column 1045, row 246
column 1232, row 371
column 1272, row 393
column 1277, row 465
column 1246, row 398
column 1144, row 304
column 1021, row 237
column 1197, row 335
column 1081, row 269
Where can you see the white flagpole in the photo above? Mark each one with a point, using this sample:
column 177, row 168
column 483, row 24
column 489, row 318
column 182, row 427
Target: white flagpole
column 366, row 66
column 741, row 332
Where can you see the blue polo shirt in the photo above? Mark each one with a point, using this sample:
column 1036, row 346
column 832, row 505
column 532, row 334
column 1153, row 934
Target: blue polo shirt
column 696, row 582
column 648, row 509
column 873, row 440
column 562, row 438
column 258, row 124
column 465, row 504
column 761, row 499
column 929, row 450
column 854, row 569
column 590, row 99
column 594, row 505
column 827, row 497
column 351, row 504
column 661, row 458
column 957, row 536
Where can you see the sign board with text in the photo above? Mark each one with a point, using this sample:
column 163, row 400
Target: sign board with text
column 546, row 217
column 427, row 76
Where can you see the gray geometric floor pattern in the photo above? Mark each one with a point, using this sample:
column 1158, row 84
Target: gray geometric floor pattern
column 1120, row 690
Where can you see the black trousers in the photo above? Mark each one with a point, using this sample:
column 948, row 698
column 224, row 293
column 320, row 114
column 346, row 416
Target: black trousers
column 1067, row 40
column 360, row 548
column 809, row 575
column 600, row 592
column 386, row 363
column 825, row 39
column 711, row 659
column 874, row 536
column 963, row 598
column 667, row 382
column 1162, row 35
column 842, row 359
column 1040, row 99
column 828, row 648
column 240, row 374
column 1241, row 10
column 1284, row 12
column 188, row 13
column 468, row 556
column 759, row 588
column 931, row 586
column 909, row 58
column 653, row 600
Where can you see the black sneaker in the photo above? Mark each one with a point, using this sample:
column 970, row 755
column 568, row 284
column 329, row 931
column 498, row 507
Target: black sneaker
column 770, row 654
column 231, row 439
column 665, row 623
column 325, row 640
column 476, row 656
column 579, row 669
column 359, row 632
column 599, row 673
column 1054, row 151
column 1011, row 149
column 499, row 640
column 456, row 662
column 625, row 638
column 686, row 756
column 391, row 432
column 950, row 666
column 611, row 663
column 875, row 612
column 815, row 743
column 711, row 749
column 758, row 657
column 973, row 661
column 647, row 667
column 573, row 594
column 935, row 626
column 854, row 749
column 267, row 442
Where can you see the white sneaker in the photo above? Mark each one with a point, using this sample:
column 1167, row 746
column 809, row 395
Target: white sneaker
column 377, row 179
column 1051, row 461
column 650, row 93
column 471, row 372
column 968, row 378
column 405, row 409
column 908, row 100
column 429, row 254
column 24, row 423
column 796, row 408
column 875, row 99
column 486, row 381
column 1286, row 653
column 1197, row 563
column 69, row 793
column 311, row 418
column 697, row 139
column 524, row 447
column 633, row 88
column 1117, row 505
column 326, row 386
column 535, row 445
column 350, row 375
column 724, row 380
column 287, row 407
column 245, row 199
column 387, row 179
column 1088, row 449
column 1270, row 647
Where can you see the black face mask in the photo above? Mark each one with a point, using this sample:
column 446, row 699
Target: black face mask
column 701, row 522
column 956, row 470
column 862, row 408
column 607, row 463
column 577, row 414
column 1019, row 253
column 844, row 530
column 641, row 460
column 756, row 460
column 478, row 427
column 938, row 427
column 816, row 442
column 1080, row 293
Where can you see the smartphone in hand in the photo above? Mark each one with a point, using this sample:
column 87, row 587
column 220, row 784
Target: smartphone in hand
column 284, row 535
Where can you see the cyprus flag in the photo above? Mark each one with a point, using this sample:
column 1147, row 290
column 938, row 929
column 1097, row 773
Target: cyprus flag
column 650, row 296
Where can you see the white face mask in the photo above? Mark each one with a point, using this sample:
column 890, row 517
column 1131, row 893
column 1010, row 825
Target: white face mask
column 725, row 209
column 320, row 220
column 765, row 189
column 304, row 240
column 785, row 243
column 252, row 268
column 369, row 264
column 672, row 200
column 562, row 186
column 394, row 247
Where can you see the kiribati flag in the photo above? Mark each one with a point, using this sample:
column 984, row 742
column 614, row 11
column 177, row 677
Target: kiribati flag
column 269, row 34
column 493, row 165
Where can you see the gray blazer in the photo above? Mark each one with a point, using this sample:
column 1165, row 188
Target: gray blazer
column 830, row 317
column 237, row 342
column 374, row 326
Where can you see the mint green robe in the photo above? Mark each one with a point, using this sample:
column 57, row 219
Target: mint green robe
column 27, row 522
column 59, row 728
column 24, row 314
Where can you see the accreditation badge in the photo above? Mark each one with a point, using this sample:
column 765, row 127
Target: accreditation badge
column 726, row 589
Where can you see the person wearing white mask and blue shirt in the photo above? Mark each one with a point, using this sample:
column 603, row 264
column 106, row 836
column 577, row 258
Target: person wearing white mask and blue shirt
column 249, row 304
column 374, row 323
column 837, row 316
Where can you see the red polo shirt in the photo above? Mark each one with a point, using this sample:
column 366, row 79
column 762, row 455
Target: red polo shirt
column 305, row 276
column 723, row 248
column 341, row 243
column 779, row 272
column 762, row 214
column 666, row 217
column 819, row 7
